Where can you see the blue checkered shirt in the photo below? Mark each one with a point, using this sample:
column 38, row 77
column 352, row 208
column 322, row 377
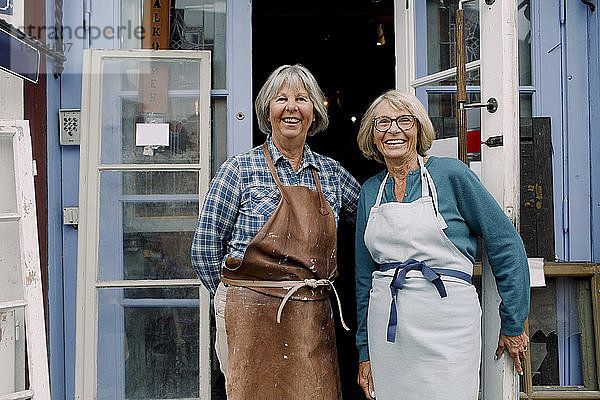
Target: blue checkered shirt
column 243, row 195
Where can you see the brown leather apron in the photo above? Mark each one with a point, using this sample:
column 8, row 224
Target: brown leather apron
column 285, row 275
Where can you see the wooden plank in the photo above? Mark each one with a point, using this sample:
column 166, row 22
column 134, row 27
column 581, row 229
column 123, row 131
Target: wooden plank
column 565, row 395
column 557, row 269
column 543, row 193
column 586, row 326
column 528, row 224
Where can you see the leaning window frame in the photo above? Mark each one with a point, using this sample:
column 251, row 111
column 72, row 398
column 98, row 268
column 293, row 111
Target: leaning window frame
column 566, row 270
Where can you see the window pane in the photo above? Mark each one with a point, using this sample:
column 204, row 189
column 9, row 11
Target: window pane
column 195, row 25
column 561, row 334
column 441, row 37
column 219, row 132
column 136, row 91
column 201, row 25
column 147, row 223
column 525, row 106
column 442, row 111
column 8, row 200
column 524, row 34
column 148, row 343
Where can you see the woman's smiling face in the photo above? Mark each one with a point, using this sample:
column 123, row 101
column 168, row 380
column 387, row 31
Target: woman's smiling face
column 290, row 113
column 395, row 143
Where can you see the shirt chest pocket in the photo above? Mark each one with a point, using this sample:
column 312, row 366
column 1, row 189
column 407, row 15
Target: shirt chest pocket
column 263, row 200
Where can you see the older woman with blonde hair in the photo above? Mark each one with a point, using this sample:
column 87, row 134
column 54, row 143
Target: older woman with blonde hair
column 265, row 246
column 419, row 319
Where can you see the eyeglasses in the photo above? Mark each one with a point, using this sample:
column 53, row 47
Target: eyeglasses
column 404, row 122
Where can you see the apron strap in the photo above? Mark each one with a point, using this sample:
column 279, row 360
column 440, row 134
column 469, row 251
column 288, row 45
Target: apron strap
column 428, row 186
column 293, row 287
column 381, row 187
column 322, row 208
column 271, row 166
column 433, row 275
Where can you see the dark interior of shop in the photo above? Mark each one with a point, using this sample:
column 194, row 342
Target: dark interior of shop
column 349, row 46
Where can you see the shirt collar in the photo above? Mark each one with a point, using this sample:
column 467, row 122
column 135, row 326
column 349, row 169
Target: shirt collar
column 308, row 155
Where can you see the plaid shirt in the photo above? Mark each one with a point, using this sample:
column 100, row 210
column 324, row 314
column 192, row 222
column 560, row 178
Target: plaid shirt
column 243, row 196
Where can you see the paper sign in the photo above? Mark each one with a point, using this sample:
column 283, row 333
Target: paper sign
column 536, row 272
column 444, row 148
column 151, row 134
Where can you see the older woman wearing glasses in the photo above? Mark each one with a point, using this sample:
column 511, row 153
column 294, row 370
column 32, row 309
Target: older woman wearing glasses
column 419, row 329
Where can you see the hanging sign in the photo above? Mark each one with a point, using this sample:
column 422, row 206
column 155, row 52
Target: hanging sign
column 156, row 24
column 18, row 57
column 154, row 75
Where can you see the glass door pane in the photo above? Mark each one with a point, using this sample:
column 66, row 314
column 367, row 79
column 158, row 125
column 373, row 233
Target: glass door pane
column 145, row 168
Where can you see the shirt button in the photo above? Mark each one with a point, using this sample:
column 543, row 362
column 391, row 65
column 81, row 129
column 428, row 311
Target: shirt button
column 405, row 194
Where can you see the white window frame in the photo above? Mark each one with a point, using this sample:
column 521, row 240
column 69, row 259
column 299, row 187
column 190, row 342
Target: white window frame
column 88, row 283
column 32, row 301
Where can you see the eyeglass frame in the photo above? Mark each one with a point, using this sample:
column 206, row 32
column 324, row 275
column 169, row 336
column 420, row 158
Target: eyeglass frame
column 392, row 120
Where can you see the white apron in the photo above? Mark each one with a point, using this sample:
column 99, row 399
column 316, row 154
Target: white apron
column 432, row 350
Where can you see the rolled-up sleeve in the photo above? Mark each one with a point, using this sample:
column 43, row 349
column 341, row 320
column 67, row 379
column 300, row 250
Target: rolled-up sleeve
column 215, row 224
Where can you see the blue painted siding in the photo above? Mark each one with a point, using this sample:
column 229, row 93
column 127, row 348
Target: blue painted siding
column 55, row 263
column 594, row 126
column 577, row 163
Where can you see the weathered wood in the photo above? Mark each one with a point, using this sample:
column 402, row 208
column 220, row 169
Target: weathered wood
column 586, row 326
column 544, row 198
column 537, row 208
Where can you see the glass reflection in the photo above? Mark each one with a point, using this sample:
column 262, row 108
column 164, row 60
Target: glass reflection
column 8, row 200
column 561, row 334
column 135, row 92
column 148, row 343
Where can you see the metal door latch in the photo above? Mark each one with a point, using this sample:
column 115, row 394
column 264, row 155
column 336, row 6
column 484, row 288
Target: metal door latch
column 491, row 105
column 494, row 141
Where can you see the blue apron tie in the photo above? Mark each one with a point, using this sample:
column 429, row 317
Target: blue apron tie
column 433, row 275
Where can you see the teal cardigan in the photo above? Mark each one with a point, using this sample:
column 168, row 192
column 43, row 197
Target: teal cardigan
column 470, row 212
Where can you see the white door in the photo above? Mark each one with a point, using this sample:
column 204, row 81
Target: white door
column 142, row 316
column 426, row 65
column 22, row 327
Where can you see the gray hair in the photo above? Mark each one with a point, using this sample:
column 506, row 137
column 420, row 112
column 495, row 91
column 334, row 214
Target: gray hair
column 408, row 101
column 292, row 75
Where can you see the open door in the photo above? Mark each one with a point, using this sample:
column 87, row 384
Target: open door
column 427, row 66
column 142, row 315
column 23, row 353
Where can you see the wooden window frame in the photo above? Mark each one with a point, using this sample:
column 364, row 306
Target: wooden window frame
column 569, row 270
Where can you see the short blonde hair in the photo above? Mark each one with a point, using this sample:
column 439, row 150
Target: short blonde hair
column 398, row 99
column 292, row 75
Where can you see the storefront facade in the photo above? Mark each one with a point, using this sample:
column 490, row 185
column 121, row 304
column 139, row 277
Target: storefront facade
column 126, row 317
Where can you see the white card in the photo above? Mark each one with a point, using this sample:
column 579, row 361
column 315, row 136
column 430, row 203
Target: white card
column 152, row 134
column 536, row 272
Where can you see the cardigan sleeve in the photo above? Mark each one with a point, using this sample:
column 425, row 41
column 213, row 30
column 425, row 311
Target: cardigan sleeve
column 503, row 246
column 364, row 267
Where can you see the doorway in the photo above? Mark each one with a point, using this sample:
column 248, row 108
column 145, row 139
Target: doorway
column 349, row 47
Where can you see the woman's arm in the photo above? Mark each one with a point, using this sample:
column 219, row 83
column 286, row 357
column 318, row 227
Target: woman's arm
column 350, row 189
column 364, row 267
column 504, row 249
column 215, row 224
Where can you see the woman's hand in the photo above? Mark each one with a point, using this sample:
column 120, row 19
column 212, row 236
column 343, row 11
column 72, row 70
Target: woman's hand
column 516, row 346
column 365, row 379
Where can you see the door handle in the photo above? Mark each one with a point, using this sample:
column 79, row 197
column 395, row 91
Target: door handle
column 589, row 4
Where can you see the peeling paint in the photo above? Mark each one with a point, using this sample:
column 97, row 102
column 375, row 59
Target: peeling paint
column 31, row 278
